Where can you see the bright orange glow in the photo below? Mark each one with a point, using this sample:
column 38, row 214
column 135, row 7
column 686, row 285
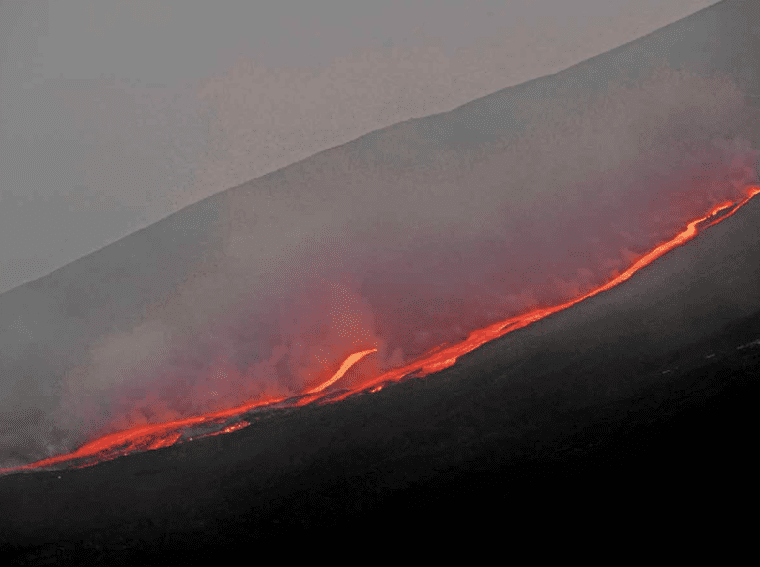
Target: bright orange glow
column 143, row 438
column 443, row 356
column 348, row 363
column 437, row 360
column 230, row 428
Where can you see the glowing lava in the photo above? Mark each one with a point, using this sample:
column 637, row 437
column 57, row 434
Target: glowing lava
column 441, row 359
column 143, row 438
column 164, row 434
column 348, row 363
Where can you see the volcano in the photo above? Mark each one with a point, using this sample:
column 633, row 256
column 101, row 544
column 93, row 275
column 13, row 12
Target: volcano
column 287, row 355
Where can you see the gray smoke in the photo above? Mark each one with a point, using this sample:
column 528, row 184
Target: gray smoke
column 404, row 239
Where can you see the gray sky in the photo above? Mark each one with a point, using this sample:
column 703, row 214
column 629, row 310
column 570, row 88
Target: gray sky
column 113, row 114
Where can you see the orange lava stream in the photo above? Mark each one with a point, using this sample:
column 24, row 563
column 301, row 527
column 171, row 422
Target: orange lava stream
column 348, row 363
column 155, row 436
column 143, row 438
column 448, row 356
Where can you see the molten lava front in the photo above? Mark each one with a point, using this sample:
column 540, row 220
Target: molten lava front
column 164, row 434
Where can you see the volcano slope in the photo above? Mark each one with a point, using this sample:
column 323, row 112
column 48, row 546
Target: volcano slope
column 619, row 150
column 642, row 394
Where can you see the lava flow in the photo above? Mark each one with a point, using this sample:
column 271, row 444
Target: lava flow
column 348, row 363
column 164, row 434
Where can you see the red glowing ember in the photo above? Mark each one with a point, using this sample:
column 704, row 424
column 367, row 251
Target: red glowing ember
column 164, row 434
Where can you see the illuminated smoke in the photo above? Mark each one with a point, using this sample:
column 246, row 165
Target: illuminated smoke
column 147, row 436
column 406, row 240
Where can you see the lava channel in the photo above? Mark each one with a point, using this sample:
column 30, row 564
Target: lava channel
column 148, row 437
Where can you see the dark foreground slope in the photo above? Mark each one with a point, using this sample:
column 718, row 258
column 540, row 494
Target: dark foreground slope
column 639, row 399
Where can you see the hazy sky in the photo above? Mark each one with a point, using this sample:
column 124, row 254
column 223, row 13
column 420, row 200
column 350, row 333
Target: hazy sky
column 114, row 114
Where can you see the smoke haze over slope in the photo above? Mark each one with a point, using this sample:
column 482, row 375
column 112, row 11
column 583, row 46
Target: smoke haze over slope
column 401, row 240
column 115, row 114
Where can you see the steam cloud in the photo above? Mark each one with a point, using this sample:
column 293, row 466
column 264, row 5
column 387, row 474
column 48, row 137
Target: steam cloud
column 400, row 241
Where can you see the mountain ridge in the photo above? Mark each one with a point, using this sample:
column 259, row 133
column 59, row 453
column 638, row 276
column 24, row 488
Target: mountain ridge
column 477, row 107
